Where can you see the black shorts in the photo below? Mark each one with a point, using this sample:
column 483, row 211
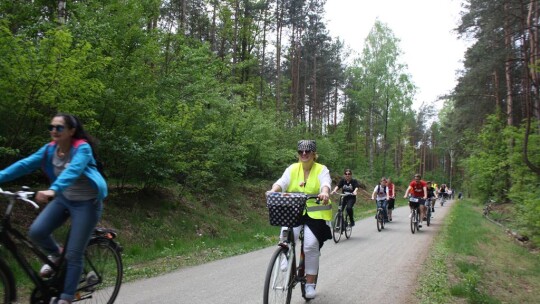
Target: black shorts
column 391, row 203
column 420, row 202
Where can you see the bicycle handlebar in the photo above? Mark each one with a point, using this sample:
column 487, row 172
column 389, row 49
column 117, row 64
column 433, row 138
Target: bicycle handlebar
column 21, row 195
column 346, row 194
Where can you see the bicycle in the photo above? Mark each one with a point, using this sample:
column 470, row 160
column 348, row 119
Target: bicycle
column 341, row 223
column 102, row 273
column 443, row 199
column 380, row 216
column 283, row 274
column 428, row 213
column 415, row 215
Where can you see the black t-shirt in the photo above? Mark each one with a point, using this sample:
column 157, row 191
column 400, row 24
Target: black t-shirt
column 348, row 187
column 430, row 192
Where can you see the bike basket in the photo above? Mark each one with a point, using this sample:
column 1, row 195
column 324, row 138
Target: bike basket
column 285, row 209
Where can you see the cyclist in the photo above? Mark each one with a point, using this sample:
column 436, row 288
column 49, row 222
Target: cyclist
column 380, row 195
column 443, row 191
column 76, row 187
column 391, row 197
column 349, row 185
column 309, row 177
column 417, row 188
column 431, row 196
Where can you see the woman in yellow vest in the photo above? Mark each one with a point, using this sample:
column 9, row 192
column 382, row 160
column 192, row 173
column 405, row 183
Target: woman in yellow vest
column 309, row 177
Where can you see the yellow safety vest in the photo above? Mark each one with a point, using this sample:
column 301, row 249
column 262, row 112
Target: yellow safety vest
column 312, row 187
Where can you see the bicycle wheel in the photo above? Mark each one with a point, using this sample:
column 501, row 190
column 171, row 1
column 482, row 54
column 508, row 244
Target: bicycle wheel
column 378, row 217
column 413, row 221
column 102, row 274
column 428, row 216
column 348, row 228
column 277, row 285
column 337, row 227
column 6, row 283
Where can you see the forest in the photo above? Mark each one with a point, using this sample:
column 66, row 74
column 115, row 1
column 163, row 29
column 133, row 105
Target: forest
column 206, row 94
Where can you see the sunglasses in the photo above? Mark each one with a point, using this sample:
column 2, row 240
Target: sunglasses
column 304, row 151
column 59, row 128
column 348, row 173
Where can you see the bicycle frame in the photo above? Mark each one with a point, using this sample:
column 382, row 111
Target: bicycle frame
column 21, row 248
column 8, row 237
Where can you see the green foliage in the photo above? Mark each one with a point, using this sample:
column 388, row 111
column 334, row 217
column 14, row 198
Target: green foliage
column 525, row 190
column 487, row 169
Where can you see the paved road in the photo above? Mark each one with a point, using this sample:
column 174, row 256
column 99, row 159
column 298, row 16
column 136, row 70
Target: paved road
column 370, row 267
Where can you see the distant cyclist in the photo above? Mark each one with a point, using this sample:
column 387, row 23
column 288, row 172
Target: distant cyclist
column 349, row 185
column 380, row 195
column 443, row 191
column 391, row 197
column 418, row 189
column 431, row 196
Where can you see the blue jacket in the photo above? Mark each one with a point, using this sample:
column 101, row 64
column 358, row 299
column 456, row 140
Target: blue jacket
column 82, row 162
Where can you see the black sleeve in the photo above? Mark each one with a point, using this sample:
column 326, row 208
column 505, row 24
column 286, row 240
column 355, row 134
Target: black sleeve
column 341, row 183
column 355, row 184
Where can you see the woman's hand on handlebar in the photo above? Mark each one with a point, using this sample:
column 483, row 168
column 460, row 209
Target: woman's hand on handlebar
column 45, row 196
column 324, row 196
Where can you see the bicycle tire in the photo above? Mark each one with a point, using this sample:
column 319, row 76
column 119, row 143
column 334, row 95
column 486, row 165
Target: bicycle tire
column 102, row 274
column 281, row 291
column 7, row 284
column 348, row 228
column 337, row 227
column 413, row 219
column 428, row 216
column 378, row 217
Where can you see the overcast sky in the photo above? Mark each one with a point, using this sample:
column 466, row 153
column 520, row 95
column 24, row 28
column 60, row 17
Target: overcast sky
column 430, row 48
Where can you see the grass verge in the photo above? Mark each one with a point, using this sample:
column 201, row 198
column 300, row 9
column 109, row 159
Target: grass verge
column 475, row 261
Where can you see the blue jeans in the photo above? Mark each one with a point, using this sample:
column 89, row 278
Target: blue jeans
column 84, row 218
column 383, row 204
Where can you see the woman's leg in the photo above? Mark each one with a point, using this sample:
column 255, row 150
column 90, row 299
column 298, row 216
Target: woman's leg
column 312, row 253
column 52, row 217
column 350, row 204
column 84, row 217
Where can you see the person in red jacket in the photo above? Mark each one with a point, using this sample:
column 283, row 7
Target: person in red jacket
column 391, row 197
column 418, row 189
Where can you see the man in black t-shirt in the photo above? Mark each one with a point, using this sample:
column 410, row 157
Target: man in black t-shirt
column 348, row 185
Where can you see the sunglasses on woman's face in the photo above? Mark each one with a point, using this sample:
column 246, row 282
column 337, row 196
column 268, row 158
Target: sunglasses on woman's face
column 303, row 152
column 348, row 173
column 59, row 128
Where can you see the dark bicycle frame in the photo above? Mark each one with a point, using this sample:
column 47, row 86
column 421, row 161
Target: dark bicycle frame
column 11, row 237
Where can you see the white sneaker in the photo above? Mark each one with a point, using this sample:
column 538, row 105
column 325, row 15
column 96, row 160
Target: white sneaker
column 46, row 270
column 410, row 214
column 310, row 291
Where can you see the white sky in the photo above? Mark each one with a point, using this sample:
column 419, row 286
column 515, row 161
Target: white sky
column 431, row 49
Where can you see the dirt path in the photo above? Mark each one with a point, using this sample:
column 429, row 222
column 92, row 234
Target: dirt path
column 370, row 267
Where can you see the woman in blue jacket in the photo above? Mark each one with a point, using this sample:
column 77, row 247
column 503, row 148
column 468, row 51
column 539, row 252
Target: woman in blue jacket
column 77, row 190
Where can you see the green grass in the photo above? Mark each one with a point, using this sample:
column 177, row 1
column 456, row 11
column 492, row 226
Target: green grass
column 475, row 261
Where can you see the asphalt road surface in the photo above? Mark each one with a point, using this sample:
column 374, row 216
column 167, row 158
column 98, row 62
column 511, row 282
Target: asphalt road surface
column 370, row 267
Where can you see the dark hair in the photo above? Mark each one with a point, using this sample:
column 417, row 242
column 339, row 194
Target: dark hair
column 347, row 170
column 417, row 175
column 74, row 123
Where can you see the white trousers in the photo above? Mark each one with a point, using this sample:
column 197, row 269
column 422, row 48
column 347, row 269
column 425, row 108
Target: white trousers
column 311, row 249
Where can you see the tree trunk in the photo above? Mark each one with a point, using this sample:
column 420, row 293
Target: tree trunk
column 508, row 68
